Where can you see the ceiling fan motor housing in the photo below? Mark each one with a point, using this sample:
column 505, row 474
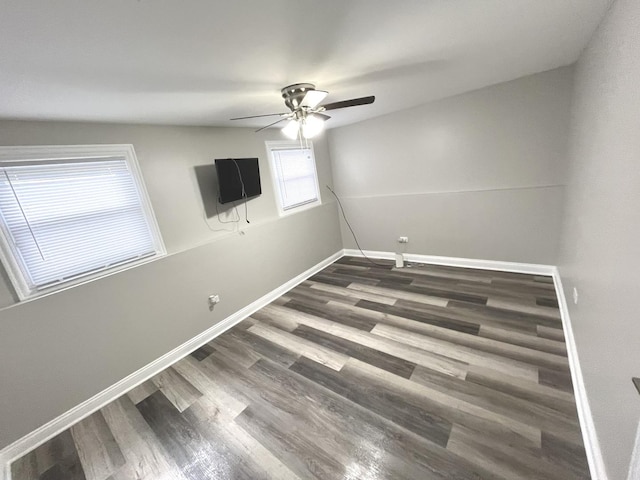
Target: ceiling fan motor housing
column 294, row 94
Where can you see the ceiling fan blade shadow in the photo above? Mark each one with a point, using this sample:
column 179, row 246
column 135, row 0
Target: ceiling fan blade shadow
column 271, row 124
column 394, row 73
column 349, row 103
column 258, row 116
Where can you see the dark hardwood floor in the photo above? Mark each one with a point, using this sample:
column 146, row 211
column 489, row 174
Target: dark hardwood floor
column 362, row 372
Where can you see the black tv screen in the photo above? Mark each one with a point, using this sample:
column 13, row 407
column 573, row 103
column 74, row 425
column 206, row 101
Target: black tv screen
column 238, row 178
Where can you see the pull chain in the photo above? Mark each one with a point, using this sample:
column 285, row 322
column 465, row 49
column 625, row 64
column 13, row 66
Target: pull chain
column 24, row 215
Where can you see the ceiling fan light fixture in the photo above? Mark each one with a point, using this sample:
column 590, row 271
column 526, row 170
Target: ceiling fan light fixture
column 290, row 130
column 312, row 125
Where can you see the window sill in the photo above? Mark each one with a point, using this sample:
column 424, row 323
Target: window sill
column 301, row 208
column 22, row 299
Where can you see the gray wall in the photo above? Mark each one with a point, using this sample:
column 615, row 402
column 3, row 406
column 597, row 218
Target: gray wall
column 479, row 175
column 601, row 236
column 60, row 350
column 172, row 160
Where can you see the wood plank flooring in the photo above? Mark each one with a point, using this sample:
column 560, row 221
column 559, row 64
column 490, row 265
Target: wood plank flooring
column 361, row 372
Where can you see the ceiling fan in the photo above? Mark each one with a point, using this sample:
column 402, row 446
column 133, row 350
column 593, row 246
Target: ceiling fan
column 306, row 117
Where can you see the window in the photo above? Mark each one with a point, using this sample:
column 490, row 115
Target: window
column 69, row 214
column 294, row 174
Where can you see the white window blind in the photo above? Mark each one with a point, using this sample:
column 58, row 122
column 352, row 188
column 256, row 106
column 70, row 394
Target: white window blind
column 295, row 175
column 65, row 219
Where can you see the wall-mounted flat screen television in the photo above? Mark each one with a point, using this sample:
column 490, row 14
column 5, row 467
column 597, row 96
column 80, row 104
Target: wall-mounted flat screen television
column 238, row 179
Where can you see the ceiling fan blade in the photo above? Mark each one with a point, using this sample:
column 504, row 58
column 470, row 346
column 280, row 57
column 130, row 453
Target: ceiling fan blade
column 349, row 103
column 258, row 116
column 322, row 116
column 271, row 124
column 313, row 98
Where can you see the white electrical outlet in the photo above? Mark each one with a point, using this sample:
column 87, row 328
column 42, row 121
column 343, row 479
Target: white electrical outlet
column 403, row 240
column 575, row 295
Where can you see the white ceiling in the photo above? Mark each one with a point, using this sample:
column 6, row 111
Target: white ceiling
column 201, row 62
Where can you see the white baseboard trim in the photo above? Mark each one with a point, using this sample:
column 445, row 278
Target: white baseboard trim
column 591, row 443
column 86, row 408
column 589, row 436
column 514, row 267
column 348, row 252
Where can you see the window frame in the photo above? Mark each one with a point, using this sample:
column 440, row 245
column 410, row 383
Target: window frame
column 291, row 145
column 16, row 155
